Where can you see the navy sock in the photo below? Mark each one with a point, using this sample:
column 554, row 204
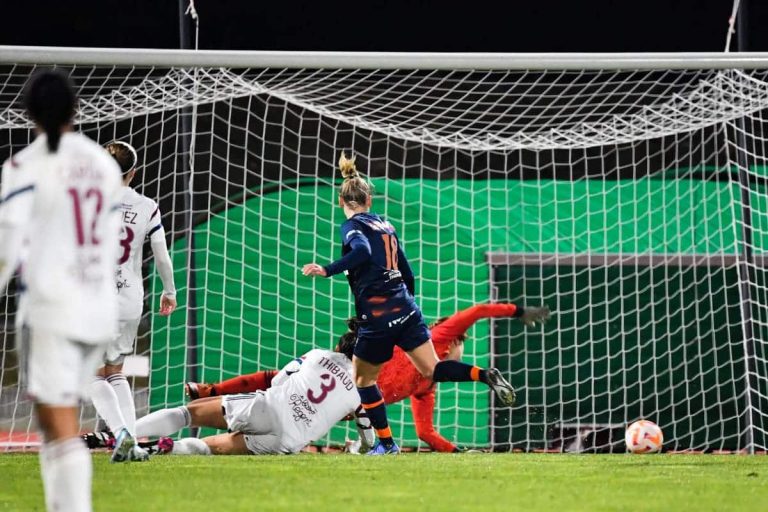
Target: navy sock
column 373, row 403
column 456, row 371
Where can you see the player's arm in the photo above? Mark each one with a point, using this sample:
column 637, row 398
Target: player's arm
column 286, row 372
column 405, row 269
column 257, row 381
column 360, row 252
column 458, row 323
column 163, row 264
column 423, row 407
column 15, row 212
column 364, row 430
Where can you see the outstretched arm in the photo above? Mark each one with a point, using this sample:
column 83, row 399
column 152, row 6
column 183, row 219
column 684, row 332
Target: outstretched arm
column 457, row 324
column 257, row 381
column 360, row 253
column 423, row 407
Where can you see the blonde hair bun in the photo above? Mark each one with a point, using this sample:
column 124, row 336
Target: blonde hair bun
column 347, row 166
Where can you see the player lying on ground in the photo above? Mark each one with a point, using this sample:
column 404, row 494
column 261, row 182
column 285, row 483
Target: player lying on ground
column 399, row 379
column 306, row 399
column 110, row 391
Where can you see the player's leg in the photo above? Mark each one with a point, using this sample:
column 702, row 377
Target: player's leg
column 221, row 444
column 419, row 349
column 366, row 374
column 113, row 372
column 63, row 455
column 112, row 397
column 227, row 444
column 54, row 370
column 204, row 412
column 257, row 381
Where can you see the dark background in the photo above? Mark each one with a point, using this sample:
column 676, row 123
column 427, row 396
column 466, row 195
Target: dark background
column 395, row 25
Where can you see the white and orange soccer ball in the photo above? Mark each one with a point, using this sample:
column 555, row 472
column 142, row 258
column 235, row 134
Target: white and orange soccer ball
column 644, row 437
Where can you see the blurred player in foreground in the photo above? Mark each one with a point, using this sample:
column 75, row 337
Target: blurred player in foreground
column 110, row 391
column 399, row 379
column 59, row 199
column 307, row 397
column 384, row 288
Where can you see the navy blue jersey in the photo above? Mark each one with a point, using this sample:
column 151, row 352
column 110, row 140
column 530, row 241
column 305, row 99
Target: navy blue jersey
column 373, row 258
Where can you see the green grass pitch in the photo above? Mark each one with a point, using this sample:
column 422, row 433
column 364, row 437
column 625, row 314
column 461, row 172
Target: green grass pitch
column 477, row 482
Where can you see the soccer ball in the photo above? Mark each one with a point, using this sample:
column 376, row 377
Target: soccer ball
column 644, row 437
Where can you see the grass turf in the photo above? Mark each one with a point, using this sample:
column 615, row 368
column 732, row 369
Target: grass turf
column 477, row 482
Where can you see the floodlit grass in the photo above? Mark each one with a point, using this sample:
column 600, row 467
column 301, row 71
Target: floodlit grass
column 477, row 482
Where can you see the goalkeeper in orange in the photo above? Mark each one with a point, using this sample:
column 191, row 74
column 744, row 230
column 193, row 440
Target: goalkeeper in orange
column 399, row 378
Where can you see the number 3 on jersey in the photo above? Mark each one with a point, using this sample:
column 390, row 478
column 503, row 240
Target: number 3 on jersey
column 125, row 243
column 325, row 388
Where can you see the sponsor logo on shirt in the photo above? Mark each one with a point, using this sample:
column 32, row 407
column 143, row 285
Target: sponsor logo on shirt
column 302, row 409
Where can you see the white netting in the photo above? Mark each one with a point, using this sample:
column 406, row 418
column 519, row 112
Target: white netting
column 642, row 172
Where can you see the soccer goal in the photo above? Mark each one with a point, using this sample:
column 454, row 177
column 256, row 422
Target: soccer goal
column 627, row 192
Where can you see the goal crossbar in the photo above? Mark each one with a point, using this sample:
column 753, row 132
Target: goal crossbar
column 42, row 55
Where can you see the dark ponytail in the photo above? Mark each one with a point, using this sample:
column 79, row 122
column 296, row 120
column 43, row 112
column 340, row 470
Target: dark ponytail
column 50, row 101
column 352, row 324
column 347, row 340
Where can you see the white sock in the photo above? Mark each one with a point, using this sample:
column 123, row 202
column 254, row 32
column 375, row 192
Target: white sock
column 125, row 400
column 66, row 469
column 190, row 446
column 107, row 405
column 163, row 422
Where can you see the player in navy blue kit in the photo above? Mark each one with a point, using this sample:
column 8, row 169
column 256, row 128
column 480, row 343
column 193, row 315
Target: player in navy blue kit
column 384, row 288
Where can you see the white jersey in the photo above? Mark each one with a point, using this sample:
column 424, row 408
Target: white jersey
column 66, row 204
column 310, row 397
column 140, row 217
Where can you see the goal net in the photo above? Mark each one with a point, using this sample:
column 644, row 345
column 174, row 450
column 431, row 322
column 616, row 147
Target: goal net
column 629, row 195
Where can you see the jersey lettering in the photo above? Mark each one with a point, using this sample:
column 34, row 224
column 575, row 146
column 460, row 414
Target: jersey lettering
column 130, row 217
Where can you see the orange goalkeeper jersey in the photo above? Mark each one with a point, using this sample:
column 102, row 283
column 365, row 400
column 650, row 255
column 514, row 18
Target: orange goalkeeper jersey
column 400, row 379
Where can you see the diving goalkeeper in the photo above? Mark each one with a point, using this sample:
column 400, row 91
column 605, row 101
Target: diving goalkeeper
column 399, row 378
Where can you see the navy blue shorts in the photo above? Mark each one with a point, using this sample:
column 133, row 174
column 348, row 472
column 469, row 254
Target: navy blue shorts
column 377, row 336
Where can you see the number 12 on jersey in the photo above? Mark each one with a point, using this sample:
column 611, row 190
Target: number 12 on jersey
column 78, row 200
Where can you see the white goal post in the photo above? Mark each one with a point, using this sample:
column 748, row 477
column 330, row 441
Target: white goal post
column 627, row 191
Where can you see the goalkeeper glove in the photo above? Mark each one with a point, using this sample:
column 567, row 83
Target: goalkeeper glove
column 531, row 316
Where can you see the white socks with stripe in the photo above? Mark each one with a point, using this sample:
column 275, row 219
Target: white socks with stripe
column 125, row 400
column 66, row 469
column 107, row 404
column 163, row 422
column 190, row 446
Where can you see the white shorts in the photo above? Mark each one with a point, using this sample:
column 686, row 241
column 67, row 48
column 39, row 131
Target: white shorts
column 56, row 370
column 250, row 414
column 123, row 343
